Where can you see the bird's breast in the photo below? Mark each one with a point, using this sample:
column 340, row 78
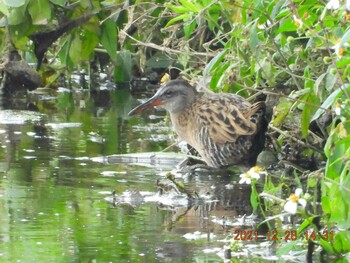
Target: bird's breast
column 185, row 126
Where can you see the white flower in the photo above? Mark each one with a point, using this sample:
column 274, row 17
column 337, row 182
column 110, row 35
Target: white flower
column 247, row 178
column 337, row 109
column 253, row 172
column 347, row 4
column 340, row 49
column 333, row 4
column 257, row 171
column 293, row 201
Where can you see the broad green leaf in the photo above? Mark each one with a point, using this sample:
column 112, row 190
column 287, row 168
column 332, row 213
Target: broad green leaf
column 4, row 9
column 14, row 3
column 75, row 50
column 123, row 66
column 326, row 245
column 288, row 25
column 64, row 52
column 343, row 62
column 326, row 204
column 109, row 38
column 342, row 242
column 89, row 42
column 40, row 11
column 18, row 16
column 189, row 28
column 338, row 207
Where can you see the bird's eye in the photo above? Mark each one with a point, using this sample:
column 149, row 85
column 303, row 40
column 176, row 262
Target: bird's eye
column 168, row 93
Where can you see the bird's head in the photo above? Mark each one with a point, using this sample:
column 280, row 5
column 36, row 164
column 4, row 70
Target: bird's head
column 173, row 96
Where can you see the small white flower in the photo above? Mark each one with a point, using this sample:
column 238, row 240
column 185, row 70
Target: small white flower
column 340, row 49
column 337, row 109
column 257, row 171
column 254, row 173
column 347, row 4
column 333, row 4
column 293, row 201
column 246, row 178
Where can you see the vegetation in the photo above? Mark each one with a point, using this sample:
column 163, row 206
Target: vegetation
column 294, row 53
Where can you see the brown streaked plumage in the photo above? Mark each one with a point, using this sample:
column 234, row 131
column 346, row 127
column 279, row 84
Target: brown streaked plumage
column 224, row 128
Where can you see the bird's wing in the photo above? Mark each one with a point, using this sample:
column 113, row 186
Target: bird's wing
column 226, row 121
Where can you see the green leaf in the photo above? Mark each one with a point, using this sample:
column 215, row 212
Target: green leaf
column 328, row 102
column 14, row 3
column 183, row 17
column 326, row 245
column 288, row 25
column 254, row 39
column 318, row 82
column 312, row 182
column 4, row 9
column 109, row 38
column 286, row 248
column 218, row 75
column 326, row 204
column 75, row 49
column 215, row 62
column 343, row 62
column 189, row 28
column 89, row 42
column 177, row 9
column 18, row 16
column 191, row 6
column 40, row 11
column 342, row 242
column 307, row 222
column 123, row 66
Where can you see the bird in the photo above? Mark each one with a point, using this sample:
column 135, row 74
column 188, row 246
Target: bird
column 224, row 128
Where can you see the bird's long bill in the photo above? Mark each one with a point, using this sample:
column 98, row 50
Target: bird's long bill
column 152, row 102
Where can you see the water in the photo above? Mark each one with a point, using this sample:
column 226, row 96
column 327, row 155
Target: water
column 56, row 185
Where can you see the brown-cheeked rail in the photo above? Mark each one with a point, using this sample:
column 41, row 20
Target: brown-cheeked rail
column 224, row 128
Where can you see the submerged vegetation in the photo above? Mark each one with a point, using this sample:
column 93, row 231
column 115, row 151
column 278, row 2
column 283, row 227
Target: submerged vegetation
column 294, row 54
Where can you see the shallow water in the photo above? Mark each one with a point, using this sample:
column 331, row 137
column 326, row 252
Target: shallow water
column 56, row 185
